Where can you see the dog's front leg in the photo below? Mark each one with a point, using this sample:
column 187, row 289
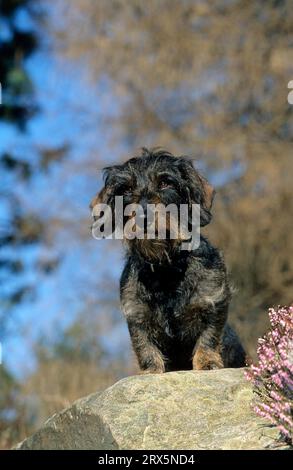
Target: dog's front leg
column 150, row 358
column 207, row 352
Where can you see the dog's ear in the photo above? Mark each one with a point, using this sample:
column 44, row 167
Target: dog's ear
column 199, row 189
column 101, row 198
column 209, row 192
column 103, row 204
column 102, row 214
column 105, row 195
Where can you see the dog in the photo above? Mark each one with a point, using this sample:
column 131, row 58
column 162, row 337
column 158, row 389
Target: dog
column 175, row 301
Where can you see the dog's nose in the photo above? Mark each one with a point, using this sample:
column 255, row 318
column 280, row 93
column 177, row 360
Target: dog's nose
column 144, row 204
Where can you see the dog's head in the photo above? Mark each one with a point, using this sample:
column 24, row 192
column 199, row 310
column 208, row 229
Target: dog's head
column 155, row 179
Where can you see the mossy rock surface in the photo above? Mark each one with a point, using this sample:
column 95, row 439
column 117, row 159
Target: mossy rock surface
column 178, row 410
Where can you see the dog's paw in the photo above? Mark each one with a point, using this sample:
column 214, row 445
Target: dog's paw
column 212, row 366
column 152, row 371
column 206, row 359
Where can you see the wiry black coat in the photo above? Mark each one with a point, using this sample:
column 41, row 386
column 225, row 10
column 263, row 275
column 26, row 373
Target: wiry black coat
column 172, row 311
column 175, row 301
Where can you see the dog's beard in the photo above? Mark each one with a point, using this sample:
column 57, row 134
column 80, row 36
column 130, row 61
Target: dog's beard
column 155, row 250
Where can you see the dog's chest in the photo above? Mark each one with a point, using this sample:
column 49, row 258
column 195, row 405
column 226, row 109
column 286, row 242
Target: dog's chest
column 175, row 306
column 169, row 305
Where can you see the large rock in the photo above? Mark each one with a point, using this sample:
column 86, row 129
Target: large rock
column 177, row 410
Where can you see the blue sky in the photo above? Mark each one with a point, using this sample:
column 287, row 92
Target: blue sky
column 73, row 112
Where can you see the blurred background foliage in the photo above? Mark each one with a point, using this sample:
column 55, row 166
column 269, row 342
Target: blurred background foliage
column 87, row 83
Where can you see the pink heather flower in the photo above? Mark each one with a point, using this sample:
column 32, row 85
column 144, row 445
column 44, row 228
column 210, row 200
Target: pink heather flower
column 275, row 396
column 272, row 378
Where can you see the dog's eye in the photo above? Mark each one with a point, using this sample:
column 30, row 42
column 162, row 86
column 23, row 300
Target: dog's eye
column 125, row 190
column 128, row 190
column 165, row 184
